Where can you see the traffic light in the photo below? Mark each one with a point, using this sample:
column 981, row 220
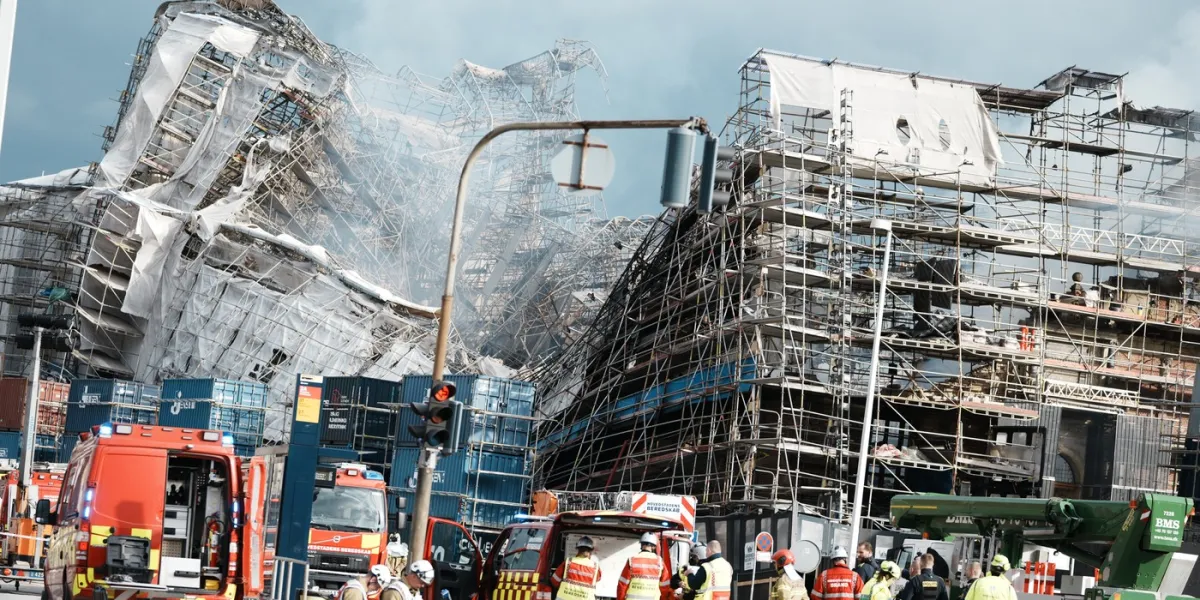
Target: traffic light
column 677, row 170
column 712, row 176
column 51, row 338
column 442, row 418
column 44, row 321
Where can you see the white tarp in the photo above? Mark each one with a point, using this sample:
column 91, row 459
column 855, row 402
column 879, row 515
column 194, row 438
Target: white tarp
column 173, row 54
column 949, row 134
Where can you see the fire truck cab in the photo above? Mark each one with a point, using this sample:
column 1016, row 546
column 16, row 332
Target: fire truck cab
column 23, row 548
column 526, row 553
column 114, row 535
column 348, row 534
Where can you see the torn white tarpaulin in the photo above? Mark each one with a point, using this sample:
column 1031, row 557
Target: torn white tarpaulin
column 940, row 130
column 168, row 64
column 157, row 234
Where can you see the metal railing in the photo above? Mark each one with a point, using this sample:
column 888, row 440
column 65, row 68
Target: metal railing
column 284, row 578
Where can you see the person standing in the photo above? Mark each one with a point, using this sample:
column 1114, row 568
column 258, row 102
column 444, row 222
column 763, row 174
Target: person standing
column 974, row 571
column 880, row 586
column 838, row 582
column 576, row 579
column 926, row 585
column 361, row 588
column 689, row 582
column 408, row 586
column 645, row 577
column 720, row 573
column 994, row 586
column 789, row 585
column 865, row 564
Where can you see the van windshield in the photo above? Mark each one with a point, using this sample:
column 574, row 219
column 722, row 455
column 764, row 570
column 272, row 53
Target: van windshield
column 349, row 509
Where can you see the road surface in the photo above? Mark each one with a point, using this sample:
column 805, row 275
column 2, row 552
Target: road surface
column 29, row 591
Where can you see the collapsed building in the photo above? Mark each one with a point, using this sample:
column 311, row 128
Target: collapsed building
column 1040, row 327
column 269, row 204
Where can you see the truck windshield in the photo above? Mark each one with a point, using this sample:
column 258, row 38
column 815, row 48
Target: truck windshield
column 348, row 509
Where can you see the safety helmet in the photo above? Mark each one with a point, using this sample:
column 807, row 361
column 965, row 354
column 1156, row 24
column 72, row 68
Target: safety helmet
column 1000, row 561
column 586, row 543
column 839, row 552
column 783, row 558
column 382, row 573
column 397, row 549
column 699, row 552
column 649, row 538
column 890, row 568
column 423, row 570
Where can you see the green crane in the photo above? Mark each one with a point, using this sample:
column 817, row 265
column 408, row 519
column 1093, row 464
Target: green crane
column 1132, row 543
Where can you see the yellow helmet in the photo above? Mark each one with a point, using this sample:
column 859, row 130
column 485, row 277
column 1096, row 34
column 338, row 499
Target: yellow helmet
column 1000, row 561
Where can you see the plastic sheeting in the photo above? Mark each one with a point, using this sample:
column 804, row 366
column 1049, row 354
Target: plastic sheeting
column 949, row 134
column 169, row 63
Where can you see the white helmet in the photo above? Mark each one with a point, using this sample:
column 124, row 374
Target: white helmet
column 382, row 573
column 649, row 538
column 423, row 570
column 839, row 552
column 397, row 549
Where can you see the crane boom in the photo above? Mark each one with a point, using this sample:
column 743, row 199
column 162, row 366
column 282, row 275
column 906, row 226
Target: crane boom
column 1132, row 543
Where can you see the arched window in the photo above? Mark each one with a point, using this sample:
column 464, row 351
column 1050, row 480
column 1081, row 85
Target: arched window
column 1063, row 473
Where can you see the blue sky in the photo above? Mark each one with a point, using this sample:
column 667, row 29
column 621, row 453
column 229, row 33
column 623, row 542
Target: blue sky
column 665, row 58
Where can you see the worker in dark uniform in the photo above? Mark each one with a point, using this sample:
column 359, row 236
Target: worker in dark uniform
column 926, row 585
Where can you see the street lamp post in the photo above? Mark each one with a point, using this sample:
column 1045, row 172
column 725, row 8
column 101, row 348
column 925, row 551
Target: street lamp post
column 429, row 457
column 864, row 443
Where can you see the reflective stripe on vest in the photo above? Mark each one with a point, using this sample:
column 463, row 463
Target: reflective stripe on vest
column 579, row 580
column 645, row 575
column 353, row 590
column 720, row 582
column 836, row 583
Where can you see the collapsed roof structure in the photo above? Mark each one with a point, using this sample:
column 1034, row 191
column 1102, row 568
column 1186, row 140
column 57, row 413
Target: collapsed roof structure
column 269, row 204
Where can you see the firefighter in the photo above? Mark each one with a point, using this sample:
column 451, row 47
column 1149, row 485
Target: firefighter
column 362, row 588
column 397, row 556
column 838, row 582
column 994, row 585
column 720, row 573
column 409, row 585
column 926, row 585
column 576, row 579
column 880, row 585
column 689, row 582
column 645, row 577
column 790, row 584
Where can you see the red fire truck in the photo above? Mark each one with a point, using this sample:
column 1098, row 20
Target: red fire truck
column 23, row 548
column 348, row 535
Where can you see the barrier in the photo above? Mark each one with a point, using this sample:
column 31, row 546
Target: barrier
column 1039, row 578
column 285, row 583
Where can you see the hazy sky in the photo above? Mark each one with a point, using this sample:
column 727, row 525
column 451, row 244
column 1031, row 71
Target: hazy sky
column 665, row 59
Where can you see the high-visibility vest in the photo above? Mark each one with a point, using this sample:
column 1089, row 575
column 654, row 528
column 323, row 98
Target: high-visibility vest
column 396, row 589
column 353, row 590
column 877, row 589
column 578, row 582
column 991, row 587
column 643, row 577
column 720, row 578
column 787, row 588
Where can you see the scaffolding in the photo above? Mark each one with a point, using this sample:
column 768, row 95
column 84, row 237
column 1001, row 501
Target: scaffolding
column 1040, row 331
column 269, row 204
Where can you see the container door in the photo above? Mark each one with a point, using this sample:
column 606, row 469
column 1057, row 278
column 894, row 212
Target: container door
column 254, row 499
column 456, row 559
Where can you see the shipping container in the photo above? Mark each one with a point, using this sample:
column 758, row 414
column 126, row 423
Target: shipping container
column 52, row 397
column 114, row 391
column 450, row 476
column 442, row 506
column 66, row 445
column 246, row 450
column 488, row 476
column 251, row 394
column 10, row 444
column 203, row 414
column 82, row 417
column 359, row 391
column 494, row 515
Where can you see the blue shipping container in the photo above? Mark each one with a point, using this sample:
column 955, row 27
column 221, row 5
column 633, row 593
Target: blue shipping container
column 481, row 513
column 485, row 475
column 69, row 441
column 10, row 444
column 82, row 417
column 221, row 391
column 113, row 391
column 359, row 391
column 450, row 476
column 202, row 414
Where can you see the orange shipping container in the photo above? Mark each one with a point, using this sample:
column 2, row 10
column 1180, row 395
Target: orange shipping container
column 52, row 405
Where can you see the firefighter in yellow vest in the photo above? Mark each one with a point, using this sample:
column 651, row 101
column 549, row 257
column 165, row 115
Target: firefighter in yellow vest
column 790, row 584
column 994, row 585
column 645, row 576
column 879, row 586
column 720, row 574
column 576, row 579
column 689, row 582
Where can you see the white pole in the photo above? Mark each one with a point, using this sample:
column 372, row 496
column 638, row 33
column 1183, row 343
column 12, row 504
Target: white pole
column 35, row 384
column 8, row 27
column 860, row 480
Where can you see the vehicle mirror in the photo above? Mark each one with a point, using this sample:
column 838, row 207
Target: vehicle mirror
column 42, row 514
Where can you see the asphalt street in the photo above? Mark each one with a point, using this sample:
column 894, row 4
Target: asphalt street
column 28, row 591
